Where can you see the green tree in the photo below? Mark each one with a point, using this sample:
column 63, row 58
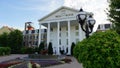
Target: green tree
column 101, row 50
column 15, row 41
column 41, row 46
column 50, row 49
column 113, row 15
column 72, row 47
column 4, row 40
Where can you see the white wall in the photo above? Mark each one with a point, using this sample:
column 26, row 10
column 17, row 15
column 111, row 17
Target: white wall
column 64, row 36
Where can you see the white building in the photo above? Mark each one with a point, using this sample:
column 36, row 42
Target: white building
column 30, row 37
column 62, row 29
column 103, row 27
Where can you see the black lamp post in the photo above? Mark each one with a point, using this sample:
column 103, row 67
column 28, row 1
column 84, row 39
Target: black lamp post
column 86, row 22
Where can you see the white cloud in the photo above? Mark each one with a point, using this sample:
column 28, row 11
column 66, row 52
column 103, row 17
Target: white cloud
column 37, row 5
column 95, row 6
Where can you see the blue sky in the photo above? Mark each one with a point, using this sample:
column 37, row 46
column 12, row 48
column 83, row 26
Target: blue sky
column 14, row 13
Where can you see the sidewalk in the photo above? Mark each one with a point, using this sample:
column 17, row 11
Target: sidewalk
column 73, row 64
column 12, row 56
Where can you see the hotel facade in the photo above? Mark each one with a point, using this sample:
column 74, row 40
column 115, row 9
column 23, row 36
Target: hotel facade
column 63, row 29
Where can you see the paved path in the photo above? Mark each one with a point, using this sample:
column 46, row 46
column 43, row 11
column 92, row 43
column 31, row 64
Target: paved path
column 73, row 64
column 13, row 56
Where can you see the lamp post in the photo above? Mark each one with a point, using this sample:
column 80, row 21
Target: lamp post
column 86, row 22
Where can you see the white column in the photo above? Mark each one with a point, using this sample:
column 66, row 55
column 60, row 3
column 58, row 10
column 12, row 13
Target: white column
column 69, row 41
column 48, row 34
column 39, row 39
column 58, row 37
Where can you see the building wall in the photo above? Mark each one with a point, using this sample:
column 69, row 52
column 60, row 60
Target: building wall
column 30, row 37
column 63, row 42
column 103, row 27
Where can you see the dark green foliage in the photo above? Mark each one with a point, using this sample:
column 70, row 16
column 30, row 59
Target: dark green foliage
column 41, row 46
column 4, row 40
column 15, row 41
column 12, row 40
column 101, row 50
column 72, row 47
column 27, row 50
column 50, row 49
column 113, row 15
column 4, row 51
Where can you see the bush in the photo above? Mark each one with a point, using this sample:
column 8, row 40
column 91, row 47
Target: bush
column 41, row 47
column 101, row 50
column 4, row 51
column 50, row 49
column 27, row 50
column 72, row 47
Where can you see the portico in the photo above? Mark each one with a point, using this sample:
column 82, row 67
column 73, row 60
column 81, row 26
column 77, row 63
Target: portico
column 62, row 29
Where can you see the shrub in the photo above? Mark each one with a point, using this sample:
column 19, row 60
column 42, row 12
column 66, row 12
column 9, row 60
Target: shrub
column 44, row 52
column 101, row 50
column 72, row 47
column 4, row 51
column 27, row 50
column 41, row 47
column 50, row 49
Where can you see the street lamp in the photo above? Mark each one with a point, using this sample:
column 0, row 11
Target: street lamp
column 86, row 22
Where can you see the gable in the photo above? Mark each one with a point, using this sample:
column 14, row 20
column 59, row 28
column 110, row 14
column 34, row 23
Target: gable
column 61, row 13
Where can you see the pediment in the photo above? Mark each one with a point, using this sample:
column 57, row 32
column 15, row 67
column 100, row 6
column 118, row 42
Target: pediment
column 60, row 13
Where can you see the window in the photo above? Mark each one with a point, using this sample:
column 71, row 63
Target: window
column 33, row 36
column 67, row 28
column 60, row 28
column 30, row 37
column 51, row 29
column 27, row 31
column 66, row 33
column 45, row 30
column 59, row 41
column 77, row 33
column 77, row 40
column 44, row 36
column 98, row 26
column 66, row 41
column 107, row 26
column 76, row 28
column 36, row 43
column 33, row 31
column 60, row 34
column 37, row 37
column 24, row 37
column 38, row 31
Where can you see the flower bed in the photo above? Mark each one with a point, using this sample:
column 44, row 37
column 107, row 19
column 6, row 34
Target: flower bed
column 22, row 63
column 6, row 65
column 67, row 60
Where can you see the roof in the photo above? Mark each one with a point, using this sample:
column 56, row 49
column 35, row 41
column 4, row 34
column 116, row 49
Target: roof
column 63, row 7
column 6, row 29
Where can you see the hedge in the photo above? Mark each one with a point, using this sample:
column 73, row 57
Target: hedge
column 5, row 51
column 101, row 50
